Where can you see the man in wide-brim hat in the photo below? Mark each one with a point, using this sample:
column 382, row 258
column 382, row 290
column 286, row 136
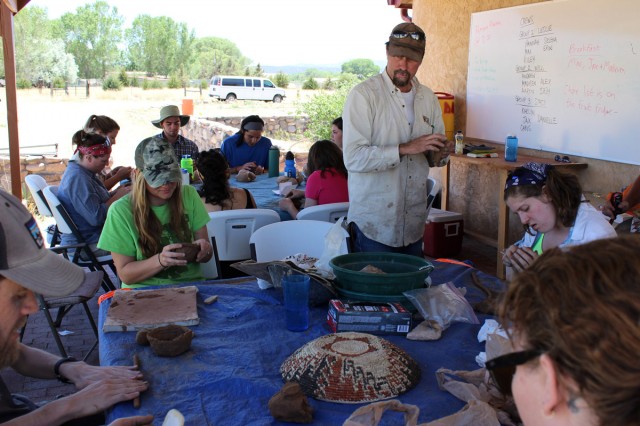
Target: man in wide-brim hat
column 170, row 122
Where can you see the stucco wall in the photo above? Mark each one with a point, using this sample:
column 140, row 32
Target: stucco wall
column 444, row 69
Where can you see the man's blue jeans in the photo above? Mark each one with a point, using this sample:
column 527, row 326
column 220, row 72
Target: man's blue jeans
column 361, row 243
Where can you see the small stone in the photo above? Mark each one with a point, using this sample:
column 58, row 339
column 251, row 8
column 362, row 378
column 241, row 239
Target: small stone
column 209, row 300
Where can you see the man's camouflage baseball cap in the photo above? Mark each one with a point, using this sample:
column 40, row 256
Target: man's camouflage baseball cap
column 158, row 162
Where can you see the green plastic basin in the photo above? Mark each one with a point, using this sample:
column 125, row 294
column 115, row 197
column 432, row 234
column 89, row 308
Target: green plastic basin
column 402, row 272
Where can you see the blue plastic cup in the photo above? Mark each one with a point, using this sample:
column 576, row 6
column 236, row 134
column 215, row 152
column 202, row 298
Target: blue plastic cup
column 296, row 301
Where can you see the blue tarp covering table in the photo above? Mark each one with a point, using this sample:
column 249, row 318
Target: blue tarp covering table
column 262, row 191
column 232, row 369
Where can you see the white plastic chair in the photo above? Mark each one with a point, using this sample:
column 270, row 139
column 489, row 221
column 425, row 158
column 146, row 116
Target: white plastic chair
column 36, row 185
column 282, row 239
column 433, row 188
column 230, row 231
column 324, row 212
column 67, row 226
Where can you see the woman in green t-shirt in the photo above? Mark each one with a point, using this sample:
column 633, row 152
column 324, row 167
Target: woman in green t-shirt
column 144, row 229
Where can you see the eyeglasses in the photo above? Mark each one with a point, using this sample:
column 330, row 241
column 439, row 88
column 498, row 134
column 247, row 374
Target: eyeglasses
column 404, row 34
column 503, row 368
column 562, row 159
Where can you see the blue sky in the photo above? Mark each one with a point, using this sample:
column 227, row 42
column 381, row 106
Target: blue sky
column 272, row 32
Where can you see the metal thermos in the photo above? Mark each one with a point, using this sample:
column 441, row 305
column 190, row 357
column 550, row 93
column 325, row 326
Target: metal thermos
column 274, row 161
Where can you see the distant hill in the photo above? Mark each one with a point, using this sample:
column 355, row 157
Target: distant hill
column 300, row 68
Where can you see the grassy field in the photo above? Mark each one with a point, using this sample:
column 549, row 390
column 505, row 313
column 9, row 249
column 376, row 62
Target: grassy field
column 45, row 119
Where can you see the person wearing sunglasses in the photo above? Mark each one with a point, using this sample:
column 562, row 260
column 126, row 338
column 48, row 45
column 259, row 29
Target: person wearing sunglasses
column 574, row 319
column 553, row 212
column 392, row 133
column 83, row 194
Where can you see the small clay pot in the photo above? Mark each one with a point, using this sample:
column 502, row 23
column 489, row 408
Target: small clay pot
column 190, row 251
column 170, row 340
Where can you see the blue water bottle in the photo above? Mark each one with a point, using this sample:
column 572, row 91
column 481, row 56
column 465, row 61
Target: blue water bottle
column 511, row 148
column 290, row 165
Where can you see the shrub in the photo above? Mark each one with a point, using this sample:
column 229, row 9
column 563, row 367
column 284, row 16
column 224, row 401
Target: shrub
column 145, row 84
column 156, row 84
column 310, row 84
column 204, row 84
column 322, row 109
column 281, row 80
column 124, row 80
column 329, row 84
column 111, row 83
column 134, row 82
column 58, row 83
column 174, row 82
column 23, row 83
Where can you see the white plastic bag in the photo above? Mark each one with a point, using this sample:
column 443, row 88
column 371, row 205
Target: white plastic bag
column 332, row 245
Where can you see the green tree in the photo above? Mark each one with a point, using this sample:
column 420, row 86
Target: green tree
column 281, row 80
column 159, row 45
column 361, row 67
column 217, row 56
column 259, row 72
column 39, row 55
column 92, row 35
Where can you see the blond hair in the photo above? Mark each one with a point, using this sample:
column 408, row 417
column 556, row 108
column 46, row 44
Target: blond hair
column 147, row 223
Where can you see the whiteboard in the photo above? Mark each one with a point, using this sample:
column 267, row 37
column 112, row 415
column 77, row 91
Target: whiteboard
column 564, row 76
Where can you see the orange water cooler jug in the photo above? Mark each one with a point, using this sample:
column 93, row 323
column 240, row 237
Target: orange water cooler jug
column 448, row 113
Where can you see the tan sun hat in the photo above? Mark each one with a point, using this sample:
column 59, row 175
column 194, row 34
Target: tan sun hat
column 170, row 111
column 24, row 258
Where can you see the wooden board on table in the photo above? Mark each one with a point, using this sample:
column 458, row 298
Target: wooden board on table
column 134, row 310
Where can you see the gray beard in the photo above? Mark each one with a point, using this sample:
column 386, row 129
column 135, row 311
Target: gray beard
column 400, row 82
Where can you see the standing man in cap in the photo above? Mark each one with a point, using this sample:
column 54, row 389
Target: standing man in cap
column 170, row 122
column 393, row 132
column 26, row 268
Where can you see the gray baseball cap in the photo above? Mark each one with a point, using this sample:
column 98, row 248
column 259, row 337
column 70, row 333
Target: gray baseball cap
column 158, row 162
column 25, row 260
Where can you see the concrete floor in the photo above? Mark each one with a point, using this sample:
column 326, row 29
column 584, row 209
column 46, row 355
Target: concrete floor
column 38, row 333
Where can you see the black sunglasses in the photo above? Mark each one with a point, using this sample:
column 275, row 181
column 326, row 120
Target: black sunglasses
column 503, row 367
column 404, row 34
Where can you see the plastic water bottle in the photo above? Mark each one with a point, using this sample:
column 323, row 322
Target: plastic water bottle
column 459, row 142
column 185, row 177
column 274, row 161
column 290, row 165
column 187, row 163
column 511, row 148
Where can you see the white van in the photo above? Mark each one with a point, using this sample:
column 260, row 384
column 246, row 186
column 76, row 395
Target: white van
column 230, row 88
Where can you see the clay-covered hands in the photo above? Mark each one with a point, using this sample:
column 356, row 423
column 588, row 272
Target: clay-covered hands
column 133, row 421
column 519, row 258
column 252, row 167
column 83, row 374
column 610, row 211
column 425, row 143
column 206, row 251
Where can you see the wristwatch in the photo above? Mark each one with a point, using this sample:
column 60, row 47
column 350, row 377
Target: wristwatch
column 56, row 368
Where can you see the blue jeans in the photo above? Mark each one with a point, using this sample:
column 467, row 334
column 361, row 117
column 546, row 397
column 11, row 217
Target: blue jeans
column 361, row 243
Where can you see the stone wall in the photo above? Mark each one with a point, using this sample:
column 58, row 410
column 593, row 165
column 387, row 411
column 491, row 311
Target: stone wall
column 50, row 168
column 209, row 132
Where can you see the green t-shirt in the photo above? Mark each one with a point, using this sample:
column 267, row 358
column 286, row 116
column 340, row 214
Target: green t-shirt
column 120, row 235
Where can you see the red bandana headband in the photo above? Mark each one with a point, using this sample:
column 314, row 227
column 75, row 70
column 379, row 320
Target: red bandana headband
column 95, row 150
